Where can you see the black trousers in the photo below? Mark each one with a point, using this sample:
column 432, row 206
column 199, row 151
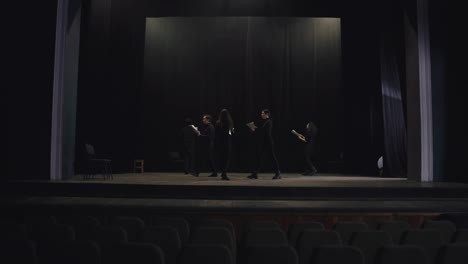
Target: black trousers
column 211, row 160
column 224, row 154
column 190, row 158
column 266, row 149
column 309, row 157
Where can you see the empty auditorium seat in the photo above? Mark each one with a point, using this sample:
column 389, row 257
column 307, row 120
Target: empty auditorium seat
column 132, row 253
column 271, row 254
column 310, row 239
column 82, row 225
column 370, row 242
column 132, row 225
column 265, row 236
column 74, row 252
column 428, row 239
column 39, row 220
column 346, row 229
column 262, row 224
column 81, row 221
column 337, row 255
column 206, row 254
column 446, row 229
column 105, row 235
column 401, row 254
column 10, row 231
column 51, row 233
column 461, row 236
column 181, row 224
column 49, row 239
column 395, row 229
column 295, row 229
column 18, row 252
column 453, row 254
column 165, row 237
column 214, row 235
column 216, row 223
column 459, row 219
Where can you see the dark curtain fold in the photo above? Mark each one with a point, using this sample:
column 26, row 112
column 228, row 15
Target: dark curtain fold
column 199, row 65
column 394, row 124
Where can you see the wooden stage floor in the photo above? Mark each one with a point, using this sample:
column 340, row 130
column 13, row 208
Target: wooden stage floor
column 240, row 179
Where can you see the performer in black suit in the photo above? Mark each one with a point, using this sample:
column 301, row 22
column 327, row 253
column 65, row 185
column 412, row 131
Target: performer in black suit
column 190, row 134
column 265, row 144
column 209, row 133
column 310, row 140
column 224, row 132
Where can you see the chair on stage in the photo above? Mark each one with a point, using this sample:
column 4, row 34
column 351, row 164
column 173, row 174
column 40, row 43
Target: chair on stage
column 96, row 165
column 176, row 159
column 139, row 165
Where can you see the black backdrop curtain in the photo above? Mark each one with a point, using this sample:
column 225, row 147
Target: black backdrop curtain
column 395, row 142
column 199, row 65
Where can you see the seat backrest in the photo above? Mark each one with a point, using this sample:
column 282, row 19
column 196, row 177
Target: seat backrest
column 80, row 221
column 10, row 231
column 132, row 225
column 310, row 239
column 40, row 219
column 461, row 236
column 216, row 223
column 132, row 252
column 90, row 150
column 395, row 229
column 214, row 235
column 165, row 237
column 51, row 233
column 370, row 242
column 74, row 252
column 429, row 239
column 265, row 236
column 180, row 223
column 206, row 254
column 453, row 254
column 445, row 227
column 109, row 235
column 338, row 255
column 83, row 225
column 21, row 251
column 401, row 254
column 346, row 229
column 296, row 229
column 271, row 254
column 262, row 224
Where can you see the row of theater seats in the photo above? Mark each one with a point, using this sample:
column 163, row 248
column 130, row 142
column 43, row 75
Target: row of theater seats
column 172, row 240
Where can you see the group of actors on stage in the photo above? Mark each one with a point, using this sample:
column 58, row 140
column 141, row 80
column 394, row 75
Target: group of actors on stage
column 220, row 134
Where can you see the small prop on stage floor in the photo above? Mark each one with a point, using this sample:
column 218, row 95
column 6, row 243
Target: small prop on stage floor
column 380, row 165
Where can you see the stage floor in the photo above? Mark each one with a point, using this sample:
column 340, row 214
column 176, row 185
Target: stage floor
column 240, row 179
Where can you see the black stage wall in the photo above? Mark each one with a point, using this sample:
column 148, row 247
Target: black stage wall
column 197, row 65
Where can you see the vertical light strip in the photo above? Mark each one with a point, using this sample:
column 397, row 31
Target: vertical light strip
column 58, row 92
column 425, row 91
